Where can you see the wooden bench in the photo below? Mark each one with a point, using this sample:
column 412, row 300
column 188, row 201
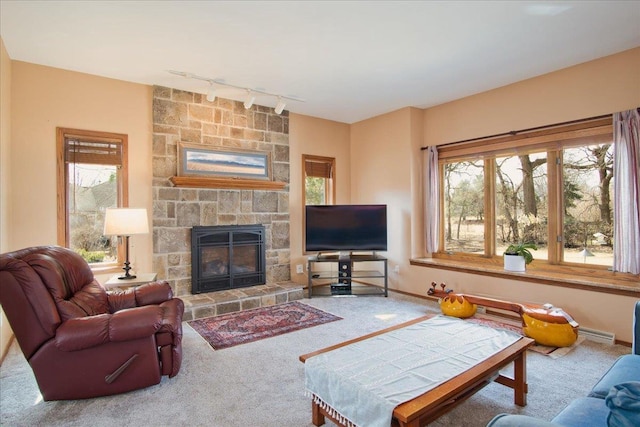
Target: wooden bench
column 441, row 399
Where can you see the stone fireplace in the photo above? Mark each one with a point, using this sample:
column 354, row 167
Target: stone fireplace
column 180, row 116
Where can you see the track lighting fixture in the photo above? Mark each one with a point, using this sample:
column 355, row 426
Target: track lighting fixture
column 211, row 93
column 249, row 102
column 250, row 93
column 279, row 106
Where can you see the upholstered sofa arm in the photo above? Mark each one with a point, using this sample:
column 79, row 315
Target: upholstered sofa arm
column 636, row 329
column 125, row 325
column 148, row 294
column 508, row 420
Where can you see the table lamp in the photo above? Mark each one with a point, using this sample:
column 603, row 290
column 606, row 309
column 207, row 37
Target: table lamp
column 124, row 222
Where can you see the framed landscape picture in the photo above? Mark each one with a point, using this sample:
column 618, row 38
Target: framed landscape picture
column 201, row 160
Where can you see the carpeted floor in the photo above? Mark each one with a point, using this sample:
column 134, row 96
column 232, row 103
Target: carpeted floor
column 261, row 383
column 246, row 326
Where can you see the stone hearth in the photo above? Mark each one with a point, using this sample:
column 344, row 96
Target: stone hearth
column 222, row 302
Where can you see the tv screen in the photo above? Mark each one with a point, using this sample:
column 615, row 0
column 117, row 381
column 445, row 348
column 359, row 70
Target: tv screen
column 346, row 228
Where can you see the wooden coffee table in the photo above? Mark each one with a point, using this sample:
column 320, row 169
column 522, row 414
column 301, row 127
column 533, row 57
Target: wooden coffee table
column 441, row 399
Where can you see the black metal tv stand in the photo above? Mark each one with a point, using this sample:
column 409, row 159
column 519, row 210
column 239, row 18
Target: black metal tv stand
column 343, row 274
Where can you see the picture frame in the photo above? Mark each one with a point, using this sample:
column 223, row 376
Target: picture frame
column 213, row 161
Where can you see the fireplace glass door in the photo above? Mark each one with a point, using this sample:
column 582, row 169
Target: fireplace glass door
column 227, row 257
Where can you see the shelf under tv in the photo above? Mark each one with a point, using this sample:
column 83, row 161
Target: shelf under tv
column 357, row 289
column 341, row 275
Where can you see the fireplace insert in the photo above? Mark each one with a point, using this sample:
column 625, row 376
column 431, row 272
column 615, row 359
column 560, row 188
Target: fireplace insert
column 227, row 257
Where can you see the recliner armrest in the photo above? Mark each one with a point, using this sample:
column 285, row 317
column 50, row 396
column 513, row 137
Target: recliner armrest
column 86, row 332
column 147, row 294
column 153, row 293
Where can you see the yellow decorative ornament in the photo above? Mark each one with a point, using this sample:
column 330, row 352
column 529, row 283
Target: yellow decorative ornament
column 547, row 333
column 457, row 306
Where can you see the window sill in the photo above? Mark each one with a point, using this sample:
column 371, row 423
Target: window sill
column 112, row 269
column 568, row 277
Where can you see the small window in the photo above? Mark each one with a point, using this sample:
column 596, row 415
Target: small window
column 92, row 176
column 319, row 180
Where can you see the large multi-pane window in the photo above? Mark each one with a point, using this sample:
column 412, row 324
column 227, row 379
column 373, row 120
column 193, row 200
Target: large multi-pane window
column 552, row 187
column 92, row 176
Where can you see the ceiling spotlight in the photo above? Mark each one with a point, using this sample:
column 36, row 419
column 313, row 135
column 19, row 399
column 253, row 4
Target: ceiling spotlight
column 249, row 102
column 211, row 93
column 279, row 106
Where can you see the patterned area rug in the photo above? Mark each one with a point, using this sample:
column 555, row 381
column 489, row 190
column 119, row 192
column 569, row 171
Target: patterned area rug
column 241, row 327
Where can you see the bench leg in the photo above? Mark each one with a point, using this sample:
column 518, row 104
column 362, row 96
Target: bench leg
column 317, row 418
column 520, row 379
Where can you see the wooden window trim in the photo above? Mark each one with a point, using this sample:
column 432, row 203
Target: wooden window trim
column 62, row 180
column 551, row 137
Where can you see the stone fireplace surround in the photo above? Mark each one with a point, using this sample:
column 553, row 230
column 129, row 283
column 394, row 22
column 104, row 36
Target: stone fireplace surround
column 180, row 116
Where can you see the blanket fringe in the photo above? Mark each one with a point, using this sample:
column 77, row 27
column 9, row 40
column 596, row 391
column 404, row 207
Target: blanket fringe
column 332, row 412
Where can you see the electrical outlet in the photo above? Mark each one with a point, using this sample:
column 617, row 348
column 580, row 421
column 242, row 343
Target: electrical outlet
column 396, row 269
column 299, row 269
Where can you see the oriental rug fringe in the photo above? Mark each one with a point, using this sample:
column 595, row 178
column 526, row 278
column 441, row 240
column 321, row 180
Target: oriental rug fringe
column 245, row 326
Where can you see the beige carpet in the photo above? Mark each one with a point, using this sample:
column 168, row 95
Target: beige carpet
column 261, row 384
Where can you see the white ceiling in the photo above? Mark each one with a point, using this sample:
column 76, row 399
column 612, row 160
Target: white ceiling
column 349, row 60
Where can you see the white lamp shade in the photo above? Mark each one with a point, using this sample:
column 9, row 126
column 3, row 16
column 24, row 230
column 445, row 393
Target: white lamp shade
column 125, row 222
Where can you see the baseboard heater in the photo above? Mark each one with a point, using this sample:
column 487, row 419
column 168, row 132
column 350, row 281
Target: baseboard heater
column 598, row 336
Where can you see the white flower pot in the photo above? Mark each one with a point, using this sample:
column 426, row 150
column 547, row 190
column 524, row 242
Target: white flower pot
column 514, row 263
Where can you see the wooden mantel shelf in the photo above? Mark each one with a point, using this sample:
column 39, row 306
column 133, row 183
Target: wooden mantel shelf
column 241, row 183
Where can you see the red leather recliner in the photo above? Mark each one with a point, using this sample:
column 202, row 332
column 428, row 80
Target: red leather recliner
column 80, row 340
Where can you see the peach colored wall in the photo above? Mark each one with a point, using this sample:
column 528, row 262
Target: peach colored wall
column 317, row 137
column 5, row 176
column 594, row 88
column 591, row 89
column 382, row 160
column 44, row 98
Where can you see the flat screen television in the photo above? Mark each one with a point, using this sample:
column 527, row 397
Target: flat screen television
column 346, row 228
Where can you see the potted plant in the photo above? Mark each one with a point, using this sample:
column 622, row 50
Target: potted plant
column 516, row 257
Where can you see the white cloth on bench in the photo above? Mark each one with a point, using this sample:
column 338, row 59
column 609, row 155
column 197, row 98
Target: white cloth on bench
column 361, row 384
